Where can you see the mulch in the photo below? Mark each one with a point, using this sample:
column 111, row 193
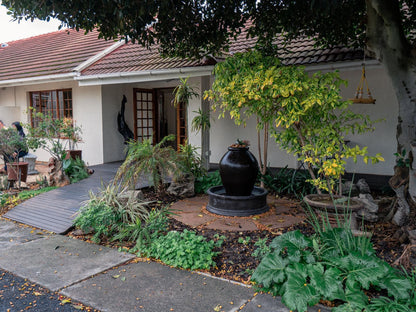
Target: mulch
column 236, row 260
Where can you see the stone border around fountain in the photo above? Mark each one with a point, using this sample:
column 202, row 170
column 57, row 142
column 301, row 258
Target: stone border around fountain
column 239, row 206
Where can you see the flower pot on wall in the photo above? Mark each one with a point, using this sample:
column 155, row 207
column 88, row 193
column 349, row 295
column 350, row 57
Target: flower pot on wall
column 73, row 154
column 14, row 170
column 238, row 170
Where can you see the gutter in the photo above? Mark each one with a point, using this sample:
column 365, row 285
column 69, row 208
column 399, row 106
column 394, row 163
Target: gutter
column 37, row 80
column 347, row 65
column 144, row 76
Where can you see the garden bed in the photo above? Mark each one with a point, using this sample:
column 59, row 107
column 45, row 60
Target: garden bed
column 236, row 261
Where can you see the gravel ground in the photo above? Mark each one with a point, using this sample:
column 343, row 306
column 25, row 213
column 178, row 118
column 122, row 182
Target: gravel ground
column 18, row 294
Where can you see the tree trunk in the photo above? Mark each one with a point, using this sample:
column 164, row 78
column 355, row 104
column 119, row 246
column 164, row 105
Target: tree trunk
column 263, row 156
column 386, row 39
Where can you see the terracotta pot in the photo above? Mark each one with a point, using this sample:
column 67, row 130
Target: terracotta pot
column 334, row 209
column 238, row 170
column 16, row 169
column 332, row 203
column 73, row 154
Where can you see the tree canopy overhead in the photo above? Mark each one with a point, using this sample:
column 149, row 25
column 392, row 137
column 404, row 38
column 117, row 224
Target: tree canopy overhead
column 197, row 28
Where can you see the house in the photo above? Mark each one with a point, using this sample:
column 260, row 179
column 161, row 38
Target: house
column 68, row 73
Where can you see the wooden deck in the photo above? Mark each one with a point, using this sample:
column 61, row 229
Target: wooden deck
column 55, row 210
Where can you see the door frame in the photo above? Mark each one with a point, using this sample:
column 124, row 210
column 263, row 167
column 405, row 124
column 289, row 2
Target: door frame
column 154, row 114
column 181, row 117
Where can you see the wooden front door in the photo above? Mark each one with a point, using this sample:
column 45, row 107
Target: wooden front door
column 181, row 129
column 146, row 115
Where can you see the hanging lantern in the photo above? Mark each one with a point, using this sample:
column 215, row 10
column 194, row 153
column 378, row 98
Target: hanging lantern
column 359, row 95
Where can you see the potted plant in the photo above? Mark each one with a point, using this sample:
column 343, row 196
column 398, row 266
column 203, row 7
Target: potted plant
column 72, row 133
column 11, row 145
column 181, row 96
column 53, row 136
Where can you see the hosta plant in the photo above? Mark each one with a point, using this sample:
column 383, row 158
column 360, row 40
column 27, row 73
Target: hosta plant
column 202, row 184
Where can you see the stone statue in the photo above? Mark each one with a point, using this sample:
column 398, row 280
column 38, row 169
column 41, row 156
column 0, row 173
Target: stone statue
column 123, row 128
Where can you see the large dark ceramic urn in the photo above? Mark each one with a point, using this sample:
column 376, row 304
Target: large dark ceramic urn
column 238, row 170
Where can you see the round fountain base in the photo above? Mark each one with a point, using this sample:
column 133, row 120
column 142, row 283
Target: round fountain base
column 239, row 206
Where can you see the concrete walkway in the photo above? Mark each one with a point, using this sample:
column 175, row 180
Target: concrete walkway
column 108, row 280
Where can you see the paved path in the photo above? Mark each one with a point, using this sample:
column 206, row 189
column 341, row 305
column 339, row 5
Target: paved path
column 55, row 210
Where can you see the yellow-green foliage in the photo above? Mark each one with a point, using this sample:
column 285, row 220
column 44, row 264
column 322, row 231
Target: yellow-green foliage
column 308, row 116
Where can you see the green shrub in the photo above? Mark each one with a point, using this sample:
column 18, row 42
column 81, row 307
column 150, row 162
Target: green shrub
column 183, row 249
column 31, row 193
column 100, row 218
column 305, row 270
column 288, row 181
column 190, row 160
column 75, row 169
column 9, row 200
column 203, row 183
column 143, row 232
column 110, row 210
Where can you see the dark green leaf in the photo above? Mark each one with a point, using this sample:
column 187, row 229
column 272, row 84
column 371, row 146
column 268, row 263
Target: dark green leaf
column 270, row 270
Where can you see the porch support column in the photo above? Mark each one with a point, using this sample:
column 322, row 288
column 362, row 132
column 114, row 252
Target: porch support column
column 205, row 107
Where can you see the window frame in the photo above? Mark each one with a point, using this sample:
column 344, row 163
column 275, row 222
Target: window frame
column 64, row 105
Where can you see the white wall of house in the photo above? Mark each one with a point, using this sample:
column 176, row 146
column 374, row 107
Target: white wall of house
column 113, row 141
column 95, row 109
column 9, row 110
column 383, row 139
column 224, row 132
column 87, row 113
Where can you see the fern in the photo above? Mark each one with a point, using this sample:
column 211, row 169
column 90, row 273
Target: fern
column 158, row 161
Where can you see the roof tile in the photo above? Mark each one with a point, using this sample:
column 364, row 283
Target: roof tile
column 62, row 51
column 53, row 53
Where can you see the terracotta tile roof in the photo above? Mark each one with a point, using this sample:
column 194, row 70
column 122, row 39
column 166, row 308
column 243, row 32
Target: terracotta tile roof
column 133, row 58
column 62, row 51
column 53, row 53
column 301, row 51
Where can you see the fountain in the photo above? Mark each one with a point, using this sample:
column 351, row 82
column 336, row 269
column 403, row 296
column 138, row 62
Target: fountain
column 238, row 196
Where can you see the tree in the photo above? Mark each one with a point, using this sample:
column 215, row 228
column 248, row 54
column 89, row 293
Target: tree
column 197, row 28
column 306, row 114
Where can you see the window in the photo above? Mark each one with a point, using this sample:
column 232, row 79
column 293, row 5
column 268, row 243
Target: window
column 55, row 103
